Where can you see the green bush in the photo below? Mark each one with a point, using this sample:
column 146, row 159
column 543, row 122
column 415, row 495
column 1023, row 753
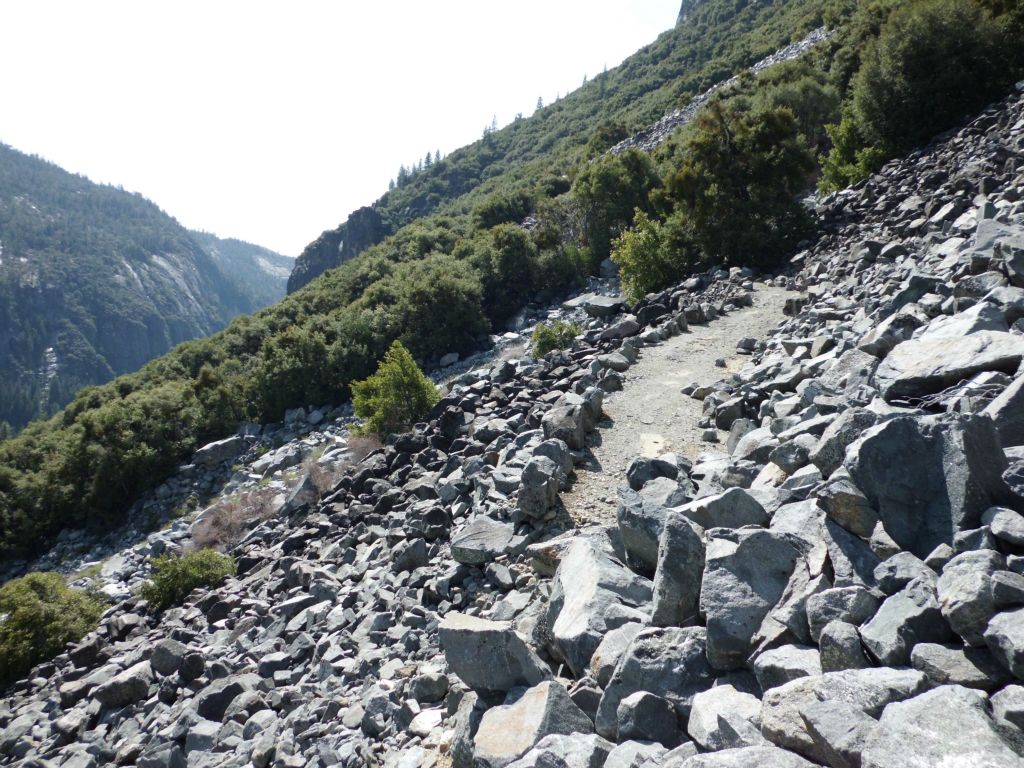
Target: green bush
column 39, row 615
column 557, row 335
column 392, row 399
column 738, row 183
column 934, row 63
column 651, row 255
column 175, row 577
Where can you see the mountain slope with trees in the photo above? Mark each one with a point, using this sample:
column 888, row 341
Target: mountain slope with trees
column 95, row 282
column 458, row 265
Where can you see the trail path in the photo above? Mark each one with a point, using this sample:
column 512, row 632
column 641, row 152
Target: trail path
column 651, row 416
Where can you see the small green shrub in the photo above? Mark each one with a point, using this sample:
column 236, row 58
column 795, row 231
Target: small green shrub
column 557, row 335
column 175, row 577
column 39, row 615
column 653, row 255
column 392, row 399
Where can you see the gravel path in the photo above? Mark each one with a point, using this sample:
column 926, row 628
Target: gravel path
column 651, row 416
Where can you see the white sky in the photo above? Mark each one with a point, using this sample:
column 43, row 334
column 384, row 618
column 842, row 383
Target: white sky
column 272, row 121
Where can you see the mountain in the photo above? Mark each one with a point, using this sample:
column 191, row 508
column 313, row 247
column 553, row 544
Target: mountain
column 519, row 219
column 96, row 281
column 259, row 273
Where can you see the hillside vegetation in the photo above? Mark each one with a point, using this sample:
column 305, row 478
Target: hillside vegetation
column 95, row 282
column 458, row 265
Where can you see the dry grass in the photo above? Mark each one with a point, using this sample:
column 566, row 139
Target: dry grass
column 223, row 525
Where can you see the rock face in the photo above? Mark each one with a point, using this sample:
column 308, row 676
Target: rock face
column 333, row 248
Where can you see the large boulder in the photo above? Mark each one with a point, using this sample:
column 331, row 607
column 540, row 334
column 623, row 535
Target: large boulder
column 744, row 757
column 677, row 577
column 950, row 725
column 566, row 423
column 909, row 617
column 965, row 593
column 1007, row 411
column 576, row 750
column 732, row 509
column 868, row 690
column 925, row 366
column 704, row 725
column 508, row 732
column 482, row 540
column 488, row 656
column 929, row 477
column 1005, row 638
column 592, row 593
column 670, row 662
column 746, row 572
column 538, row 488
column 126, row 687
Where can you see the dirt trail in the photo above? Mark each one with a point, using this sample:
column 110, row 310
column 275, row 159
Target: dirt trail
column 651, row 416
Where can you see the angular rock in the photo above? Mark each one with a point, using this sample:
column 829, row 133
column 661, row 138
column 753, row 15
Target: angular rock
column 965, row 593
column 746, row 572
column 744, row 757
column 839, row 731
column 508, row 732
column 928, row 365
column 704, row 726
column 636, row 754
column 613, row 646
column 677, row 577
column 126, row 687
column 956, row 665
column 573, row 751
column 909, row 617
column 488, row 656
column 1005, row 638
column 778, row 666
column 732, row 509
column 642, row 716
column 538, row 488
column 481, row 541
column 947, row 726
column 592, row 593
column 929, row 477
column 670, row 662
column 852, row 604
column 839, row 647
column 868, row 690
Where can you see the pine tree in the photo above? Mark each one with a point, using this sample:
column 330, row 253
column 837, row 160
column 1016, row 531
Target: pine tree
column 437, row 156
column 494, row 124
column 584, row 79
column 391, row 185
column 540, row 103
column 428, row 160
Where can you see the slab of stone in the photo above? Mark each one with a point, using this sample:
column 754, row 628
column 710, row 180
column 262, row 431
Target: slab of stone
column 489, row 656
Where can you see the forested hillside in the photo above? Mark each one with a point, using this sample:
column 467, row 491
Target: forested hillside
column 725, row 190
column 95, row 282
column 260, row 274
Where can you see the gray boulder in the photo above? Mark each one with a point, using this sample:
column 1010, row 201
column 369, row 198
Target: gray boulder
column 488, row 656
column 576, row 750
column 613, row 646
column 868, row 690
column 1005, row 638
column 839, row 730
column 677, row 577
column 167, row 656
column 925, row 366
column 929, row 477
column 508, row 732
column 732, row 509
column 965, row 593
column 705, row 724
column 642, row 716
column 213, row 700
column 1007, row 411
column 745, row 574
column 950, row 725
column 592, row 592
column 565, row 423
column 636, row 754
column 670, row 662
column 778, row 666
column 538, row 488
column 839, row 647
column 909, row 617
column 744, row 757
column 852, row 604
column 126, row 687
column 1005, row 524
column 481, row 540
column 953, row 664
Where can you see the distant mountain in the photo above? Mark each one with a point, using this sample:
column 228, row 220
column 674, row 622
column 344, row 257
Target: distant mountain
column 259, row 273
column 96, row 281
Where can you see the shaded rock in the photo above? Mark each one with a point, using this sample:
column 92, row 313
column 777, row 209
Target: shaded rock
column 704, row 725
column 778, row 666
column 899, row 570
column 611, row 649
column 677, row 577
column 965, row 593
column 851, row 604
column 839, row 731
column 1005, row 638
column 929, row 477
column 839, row 647
column 746, row 572
column 126, row 687
column 953, row 664
column 909, row 617
column 642, row 716
column 538, row 488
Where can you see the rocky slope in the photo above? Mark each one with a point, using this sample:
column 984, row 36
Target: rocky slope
column 837, row 586
column 94, row 282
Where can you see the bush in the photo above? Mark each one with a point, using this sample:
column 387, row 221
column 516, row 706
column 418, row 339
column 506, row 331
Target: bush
column 738, row 182
column 652, row 255
column 934, row 63
column 175, row 577
column 392, row 399
column 39, row 615
column 557, row 335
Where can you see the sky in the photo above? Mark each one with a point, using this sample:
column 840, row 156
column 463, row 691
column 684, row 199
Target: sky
column 270, row 122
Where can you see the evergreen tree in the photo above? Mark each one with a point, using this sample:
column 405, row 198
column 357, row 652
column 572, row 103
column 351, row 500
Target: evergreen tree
column 437, row 156
column 540, row 103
